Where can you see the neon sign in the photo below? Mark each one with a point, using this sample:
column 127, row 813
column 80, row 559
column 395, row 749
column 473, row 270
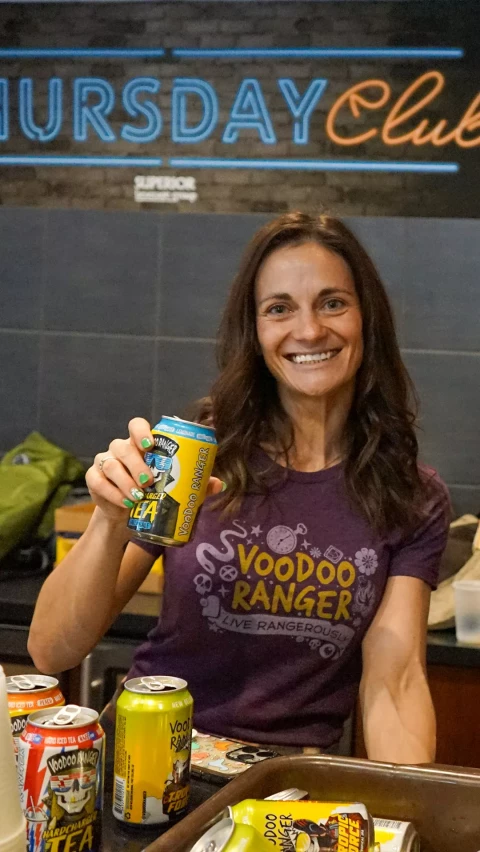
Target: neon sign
column 83, row 108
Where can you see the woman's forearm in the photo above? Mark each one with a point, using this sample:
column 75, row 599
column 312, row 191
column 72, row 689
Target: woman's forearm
column 74, row 607
column 399, row 720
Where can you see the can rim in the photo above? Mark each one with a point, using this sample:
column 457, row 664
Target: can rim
column 86, row 717
column 13, row 688
column 181, row 420
column 134, row 684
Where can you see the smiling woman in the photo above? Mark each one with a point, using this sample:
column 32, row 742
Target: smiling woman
column 307, row 579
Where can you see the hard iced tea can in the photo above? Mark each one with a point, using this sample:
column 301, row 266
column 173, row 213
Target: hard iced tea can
column 152, row 751
column 228, row 836
column 26, row 694
column 181, row 461
column 305, row 826
column 60, row 775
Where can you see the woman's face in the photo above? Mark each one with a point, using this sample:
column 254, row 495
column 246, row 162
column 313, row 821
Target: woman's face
column 309, row 324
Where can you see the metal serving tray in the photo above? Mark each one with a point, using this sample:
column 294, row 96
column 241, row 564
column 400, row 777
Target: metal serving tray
column 443, row 802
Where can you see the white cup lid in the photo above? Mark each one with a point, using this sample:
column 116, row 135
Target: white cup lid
column 467, row 585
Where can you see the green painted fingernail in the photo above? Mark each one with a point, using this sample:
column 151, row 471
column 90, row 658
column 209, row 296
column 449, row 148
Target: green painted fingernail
column 146, row 443
column 224, row 486
column 143, row 478
column 128, row 503
column 137, row 494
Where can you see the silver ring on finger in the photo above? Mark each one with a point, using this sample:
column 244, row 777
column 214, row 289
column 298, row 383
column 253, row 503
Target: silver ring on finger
column 102, row 462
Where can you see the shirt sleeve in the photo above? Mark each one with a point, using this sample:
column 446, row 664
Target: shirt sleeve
column 419, row 553
column 155, row 550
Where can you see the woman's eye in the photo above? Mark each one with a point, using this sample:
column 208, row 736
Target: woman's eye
column 334, row 304
column 277, row 310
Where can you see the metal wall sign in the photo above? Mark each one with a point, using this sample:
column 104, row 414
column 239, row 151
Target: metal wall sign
column 230, row 107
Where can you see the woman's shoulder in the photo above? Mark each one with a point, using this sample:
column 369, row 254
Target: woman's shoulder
column 436, row 490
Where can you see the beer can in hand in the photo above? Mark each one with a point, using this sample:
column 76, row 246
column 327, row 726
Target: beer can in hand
column 60, row 768
column 153, row 739
column 181, row 461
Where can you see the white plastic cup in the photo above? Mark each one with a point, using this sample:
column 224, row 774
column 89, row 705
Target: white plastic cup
column 16, row 842
column 13, row 836
column 467, row 611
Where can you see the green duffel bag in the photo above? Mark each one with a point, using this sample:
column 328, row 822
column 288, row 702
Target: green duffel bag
column 35, row 478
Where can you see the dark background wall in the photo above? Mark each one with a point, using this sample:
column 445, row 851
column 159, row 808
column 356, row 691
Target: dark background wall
column 105, row 316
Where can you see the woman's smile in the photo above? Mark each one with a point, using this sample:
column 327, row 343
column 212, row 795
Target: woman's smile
column 312, row 358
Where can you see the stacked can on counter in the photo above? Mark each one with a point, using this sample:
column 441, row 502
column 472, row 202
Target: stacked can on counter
column 152, row 751
column 60, row 775
column 26, row 694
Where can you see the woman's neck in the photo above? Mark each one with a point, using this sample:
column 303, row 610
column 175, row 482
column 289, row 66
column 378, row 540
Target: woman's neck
column 318, row 426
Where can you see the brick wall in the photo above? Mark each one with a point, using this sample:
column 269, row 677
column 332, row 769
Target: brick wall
column 235, row 24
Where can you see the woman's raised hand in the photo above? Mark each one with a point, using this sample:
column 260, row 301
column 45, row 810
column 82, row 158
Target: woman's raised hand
column 118, row 476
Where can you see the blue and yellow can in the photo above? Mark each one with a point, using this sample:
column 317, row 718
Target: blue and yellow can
column 181, row 461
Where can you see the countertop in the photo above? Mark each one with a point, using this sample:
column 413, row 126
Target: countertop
column 117, row 835
column 18, row 596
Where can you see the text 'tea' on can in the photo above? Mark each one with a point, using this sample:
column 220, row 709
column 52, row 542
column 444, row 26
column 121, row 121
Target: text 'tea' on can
column 153, row 739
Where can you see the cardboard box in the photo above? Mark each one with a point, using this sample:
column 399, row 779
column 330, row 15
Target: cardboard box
column 72, row 520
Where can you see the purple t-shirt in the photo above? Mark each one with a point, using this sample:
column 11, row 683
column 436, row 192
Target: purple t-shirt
column 264, row 613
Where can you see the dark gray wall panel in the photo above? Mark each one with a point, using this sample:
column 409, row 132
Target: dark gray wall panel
column 19, row 360
column 442, row 284
column 184, row 373
column 151, row 285
column 21, row 238
column 101, row 272
column 465, row 500
column 200, row 258
column 384, row 240
column 92, row 387
column 449, row 390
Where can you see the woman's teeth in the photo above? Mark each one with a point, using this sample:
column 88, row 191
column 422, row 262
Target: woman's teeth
column 316, row 356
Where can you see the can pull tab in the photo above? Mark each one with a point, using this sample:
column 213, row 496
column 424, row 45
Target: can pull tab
column 66, row 715
column 154, row 683
column 23, row 682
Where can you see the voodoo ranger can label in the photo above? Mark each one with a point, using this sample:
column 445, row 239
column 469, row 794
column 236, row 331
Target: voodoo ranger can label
column 181, row 462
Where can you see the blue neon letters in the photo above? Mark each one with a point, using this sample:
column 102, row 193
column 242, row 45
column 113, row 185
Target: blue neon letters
column 146, row 108
column 194, row 110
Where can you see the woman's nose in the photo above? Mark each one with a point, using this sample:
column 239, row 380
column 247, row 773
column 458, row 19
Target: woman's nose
column 309, row 326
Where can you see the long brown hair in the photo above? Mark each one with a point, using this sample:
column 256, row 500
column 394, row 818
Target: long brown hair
column 381, row 472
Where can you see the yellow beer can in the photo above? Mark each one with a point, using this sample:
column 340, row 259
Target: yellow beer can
column 181, row 461
column 153, row 740
column 307, row 826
